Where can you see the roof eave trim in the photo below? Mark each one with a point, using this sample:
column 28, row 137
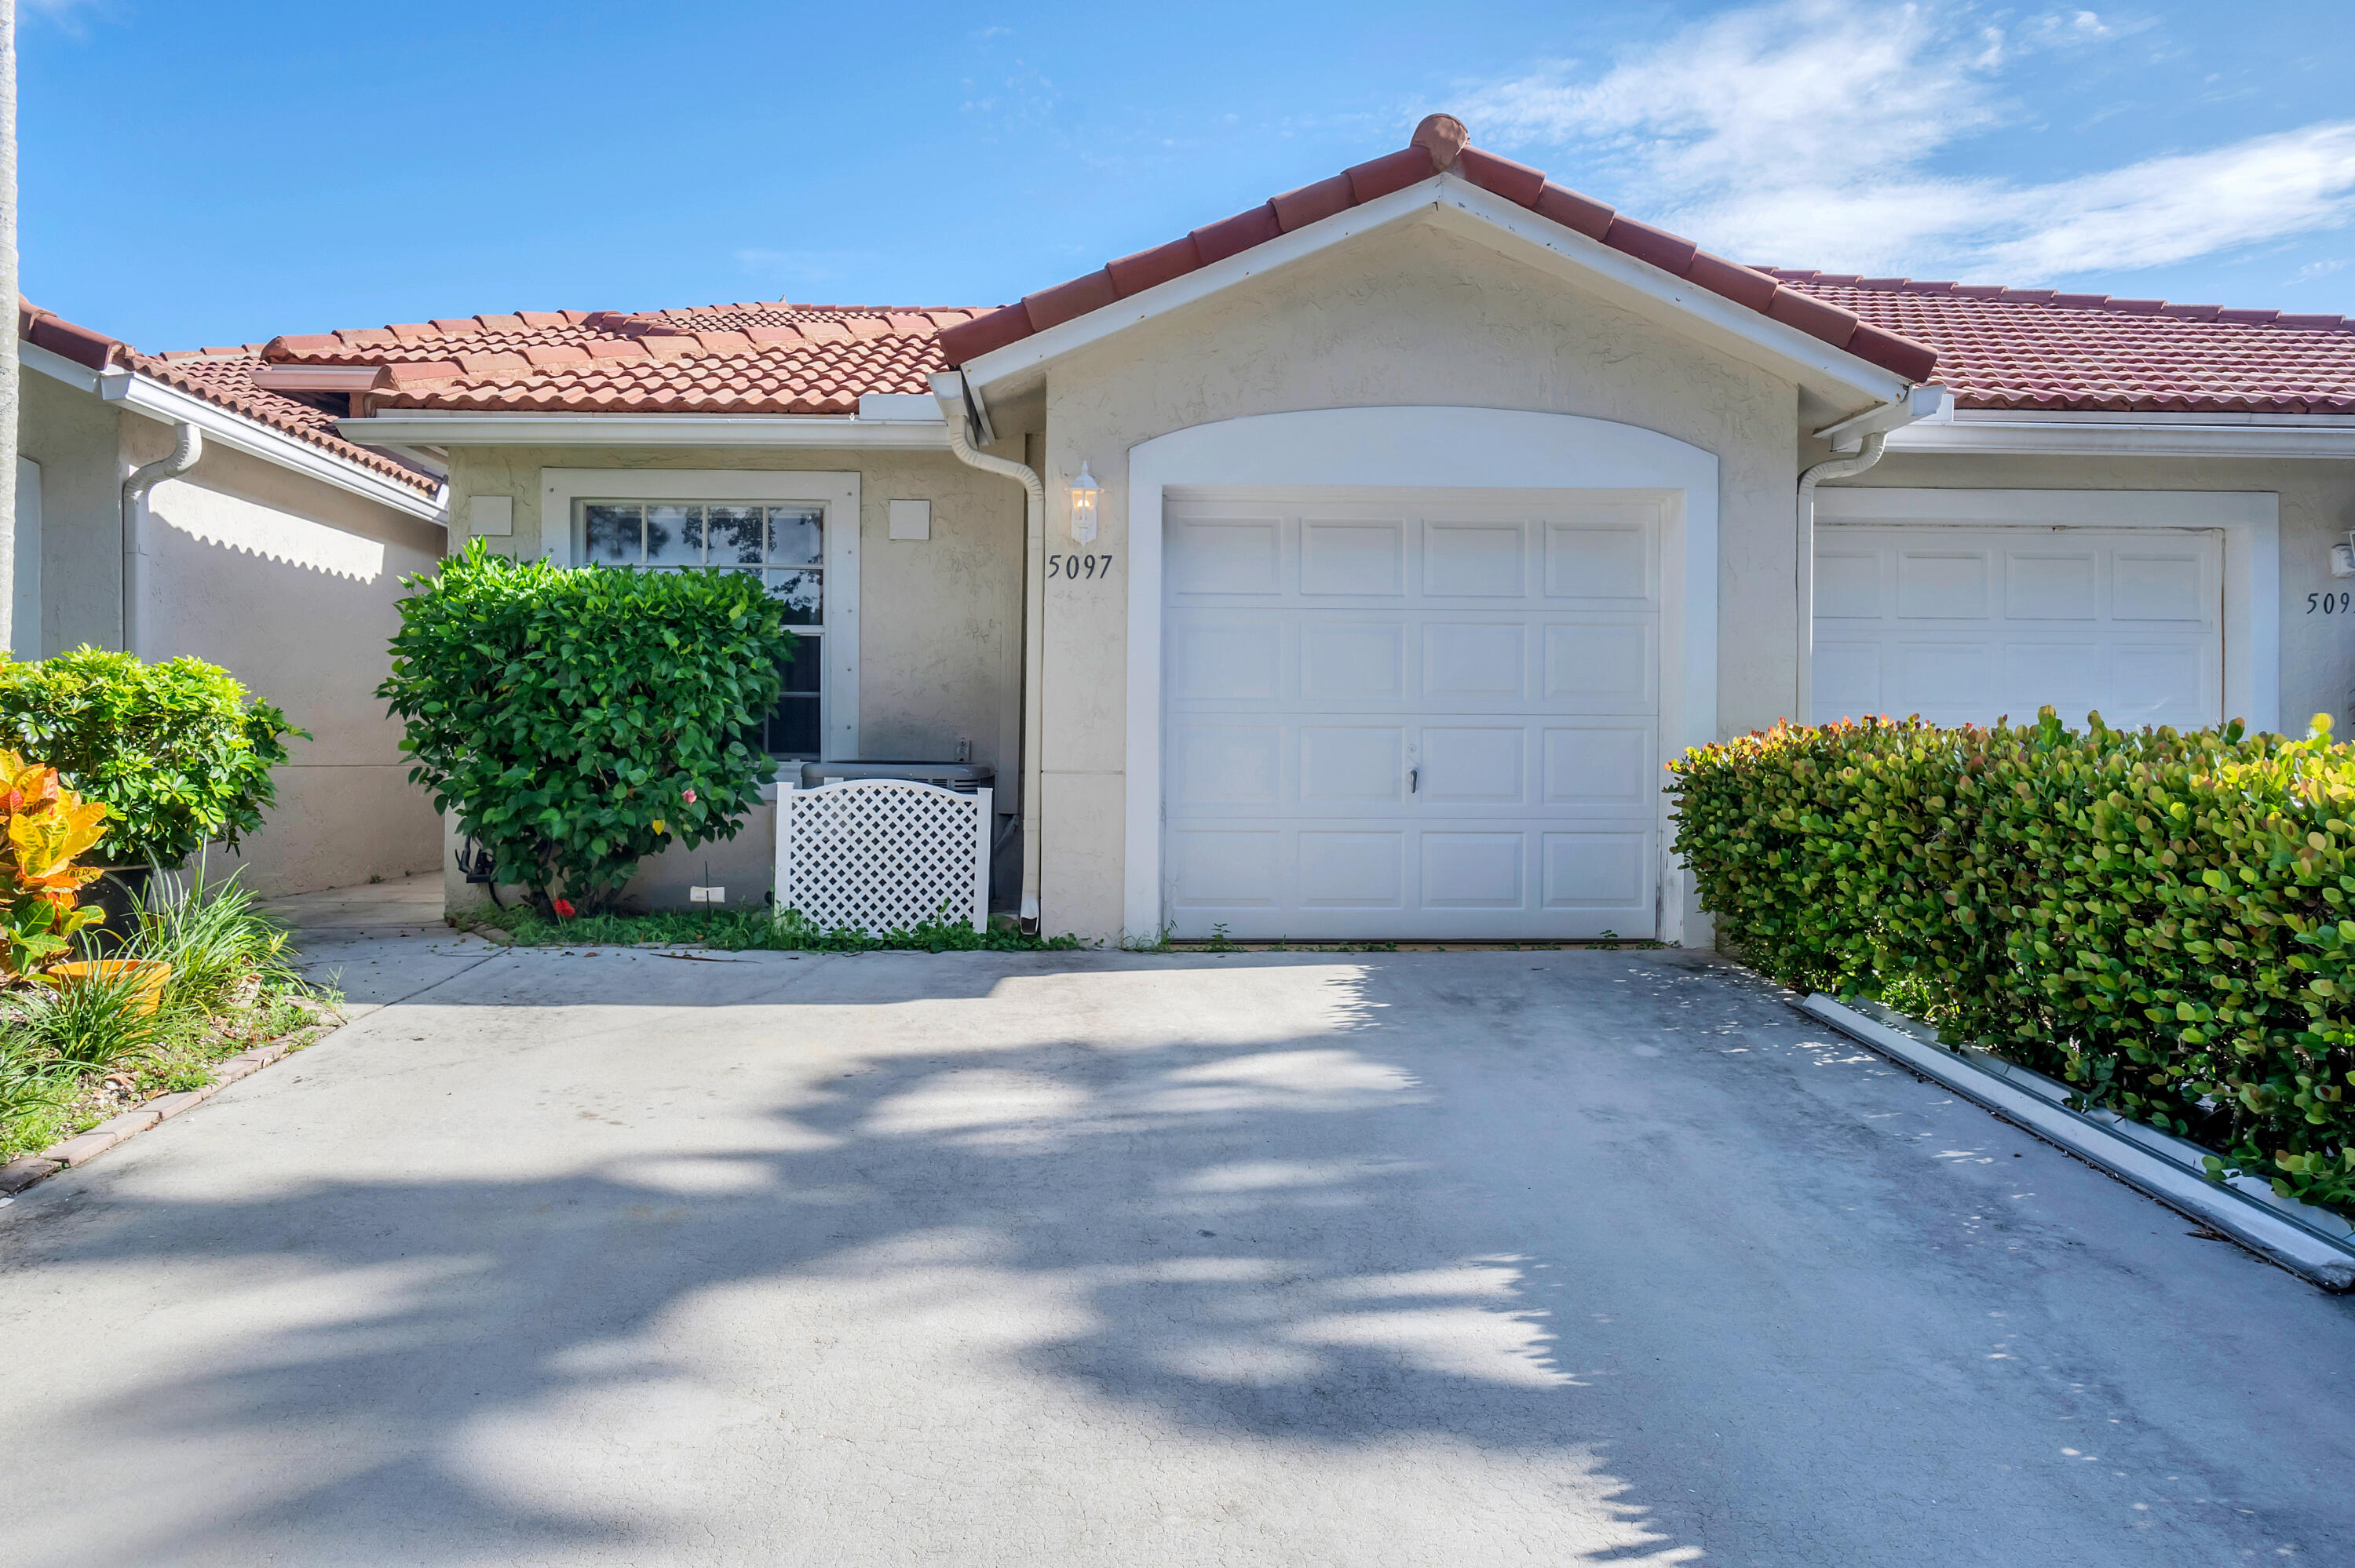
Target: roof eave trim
column 1830, row 369
column 155, row 400
column 463, row 428
column 2142, row 435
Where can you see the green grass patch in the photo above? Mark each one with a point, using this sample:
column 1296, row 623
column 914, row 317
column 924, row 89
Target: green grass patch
column 753, row 930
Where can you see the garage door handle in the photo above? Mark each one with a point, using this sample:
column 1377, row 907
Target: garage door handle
column 1414, row 779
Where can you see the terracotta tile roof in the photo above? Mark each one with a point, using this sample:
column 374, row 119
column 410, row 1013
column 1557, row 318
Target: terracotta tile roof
column 1998, row 348
column 222, row 376
column 2038, row 348
column 761, row 357
column 1440, row 145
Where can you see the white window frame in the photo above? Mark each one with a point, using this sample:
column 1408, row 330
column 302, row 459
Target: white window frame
column 2249, row 520
column 560, row 541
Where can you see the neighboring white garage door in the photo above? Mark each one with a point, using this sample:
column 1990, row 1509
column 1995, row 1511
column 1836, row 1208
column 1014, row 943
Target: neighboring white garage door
column 1967, row 625
column 1408, row 714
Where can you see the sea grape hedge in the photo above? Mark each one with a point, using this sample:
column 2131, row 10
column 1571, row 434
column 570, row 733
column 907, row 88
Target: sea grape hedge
column 2166, row 920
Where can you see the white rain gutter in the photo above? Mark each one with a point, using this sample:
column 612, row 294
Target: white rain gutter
column 171, row 406
column 949, row 386
column 1866, row 436
column 187, row 446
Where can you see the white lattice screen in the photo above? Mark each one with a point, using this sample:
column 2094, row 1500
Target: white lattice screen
column 883, row 855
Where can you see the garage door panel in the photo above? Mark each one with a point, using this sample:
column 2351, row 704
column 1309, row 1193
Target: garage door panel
column 1472, row 870
column 1591, row 767
column 1354, row 557
column 1848, row 585
column 1224, row 555
column 1344, row 870
column 1463, row 765
column 2155, row 587
column 1226, row 764
column 1226, row 660
column 1601, row 666
column 2128, row 622
column 1942, row 585
column 1474, row 560
column 2041, row 585
column 1604, row 564
column 1351, row 765
column 1225, row 868
column 1503, row 654
column 1848, row 681
column 1347, row 662
column 1596, row 870
column 1481, row 660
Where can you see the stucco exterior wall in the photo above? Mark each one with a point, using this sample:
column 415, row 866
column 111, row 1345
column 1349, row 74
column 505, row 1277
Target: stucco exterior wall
column 286, row 582
column 1409, row 315
column 940, row 619
column 292, row 586
column 2317, row 510
column 77, row 439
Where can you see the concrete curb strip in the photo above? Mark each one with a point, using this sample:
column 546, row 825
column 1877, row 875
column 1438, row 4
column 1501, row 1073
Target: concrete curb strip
column 27, row 1169
column 2260, row 1226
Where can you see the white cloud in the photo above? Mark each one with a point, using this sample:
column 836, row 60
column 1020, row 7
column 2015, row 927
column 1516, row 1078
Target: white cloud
column 1806, row 133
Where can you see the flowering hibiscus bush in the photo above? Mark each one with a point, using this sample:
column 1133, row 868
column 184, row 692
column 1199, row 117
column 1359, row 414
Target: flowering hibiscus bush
column 579, row 719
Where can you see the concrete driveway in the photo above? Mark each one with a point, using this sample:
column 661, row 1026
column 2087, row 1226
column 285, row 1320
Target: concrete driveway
column 1446, row 1258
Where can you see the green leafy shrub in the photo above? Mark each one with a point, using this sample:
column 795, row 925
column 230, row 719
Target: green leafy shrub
column 580, row 719
column 174, row 750
column 2164, row 920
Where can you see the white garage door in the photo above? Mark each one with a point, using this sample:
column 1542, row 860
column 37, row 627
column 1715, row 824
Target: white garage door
column 1967, row 625
column 1410, row 714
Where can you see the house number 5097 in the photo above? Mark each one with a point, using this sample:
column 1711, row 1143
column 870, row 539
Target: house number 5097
column 1083, row 568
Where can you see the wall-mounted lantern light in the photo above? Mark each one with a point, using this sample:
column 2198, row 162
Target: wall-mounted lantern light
column 1084, row 491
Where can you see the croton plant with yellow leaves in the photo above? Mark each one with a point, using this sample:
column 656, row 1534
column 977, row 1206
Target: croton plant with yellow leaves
column 49, row 828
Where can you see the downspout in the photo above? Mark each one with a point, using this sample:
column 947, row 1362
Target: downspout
column 186, row 448
column 950, row 387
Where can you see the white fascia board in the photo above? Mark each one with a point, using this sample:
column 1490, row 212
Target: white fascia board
column 438, row 427
column 169, row 405
column 56, row 366
column 2142, row 435
column 1572, row 255
column 1837, row 374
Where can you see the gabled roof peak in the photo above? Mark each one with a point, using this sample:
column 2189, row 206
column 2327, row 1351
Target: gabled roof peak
column 1440, row 145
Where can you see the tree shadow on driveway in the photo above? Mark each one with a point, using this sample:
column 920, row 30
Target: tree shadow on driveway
column 1276, row 1259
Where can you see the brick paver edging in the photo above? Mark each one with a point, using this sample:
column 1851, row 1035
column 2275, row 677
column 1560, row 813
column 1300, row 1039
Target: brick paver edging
column 81, row 1150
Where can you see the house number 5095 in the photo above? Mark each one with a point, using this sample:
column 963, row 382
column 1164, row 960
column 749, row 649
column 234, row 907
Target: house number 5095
column 1081, row 568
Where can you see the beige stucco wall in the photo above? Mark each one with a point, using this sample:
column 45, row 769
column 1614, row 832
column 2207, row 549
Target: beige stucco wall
column 77, row 439
column 292, row 585
column 2317, row 510
column 285, row 581
column 1401, row 316
column 940, row 619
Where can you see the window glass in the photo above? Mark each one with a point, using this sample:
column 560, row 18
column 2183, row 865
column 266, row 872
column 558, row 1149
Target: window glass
column 793, row 535
column 673, row 535
column 801, row 593
column 735, row 534
column 613, row 533
column 784, row 547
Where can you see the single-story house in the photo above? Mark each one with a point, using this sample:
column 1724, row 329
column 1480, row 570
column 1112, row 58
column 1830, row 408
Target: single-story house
column 203, row 502
column 1349, row 566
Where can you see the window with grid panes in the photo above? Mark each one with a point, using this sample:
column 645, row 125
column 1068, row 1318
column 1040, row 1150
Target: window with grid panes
column 783, row 543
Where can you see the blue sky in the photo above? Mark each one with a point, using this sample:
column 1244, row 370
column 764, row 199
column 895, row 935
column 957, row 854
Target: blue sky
column 221, row 172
